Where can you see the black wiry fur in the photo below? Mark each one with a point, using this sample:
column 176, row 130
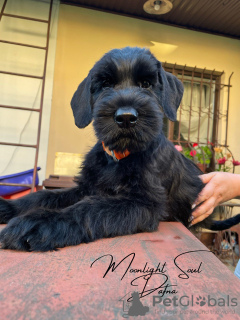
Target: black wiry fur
column 224, row 224
column 154, row 183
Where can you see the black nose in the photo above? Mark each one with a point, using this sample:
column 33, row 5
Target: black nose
column 126, row 117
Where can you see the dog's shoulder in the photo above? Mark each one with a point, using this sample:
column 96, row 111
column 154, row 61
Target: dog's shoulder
column 178, row 174
column 96, row 156
column 171, row 160
column 94, row 160
column 180, row 178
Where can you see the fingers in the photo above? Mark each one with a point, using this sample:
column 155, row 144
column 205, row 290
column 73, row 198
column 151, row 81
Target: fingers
column 202, row 217
column 203, row 211
column 219, row 187
column 205, row 206
column 206, row 193
column 207, row 177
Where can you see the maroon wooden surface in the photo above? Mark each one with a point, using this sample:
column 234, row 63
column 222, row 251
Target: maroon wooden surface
column 56, row 181
column 61, row 285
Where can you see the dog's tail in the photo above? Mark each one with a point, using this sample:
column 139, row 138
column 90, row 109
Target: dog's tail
column 224, row 224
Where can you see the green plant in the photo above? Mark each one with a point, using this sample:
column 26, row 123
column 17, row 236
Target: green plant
column 202, row 154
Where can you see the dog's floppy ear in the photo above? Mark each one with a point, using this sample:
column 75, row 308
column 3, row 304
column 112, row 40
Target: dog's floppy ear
column 81, row 103
column 171, row 92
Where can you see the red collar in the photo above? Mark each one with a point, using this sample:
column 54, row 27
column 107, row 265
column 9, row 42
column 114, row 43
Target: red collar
column 116, row 155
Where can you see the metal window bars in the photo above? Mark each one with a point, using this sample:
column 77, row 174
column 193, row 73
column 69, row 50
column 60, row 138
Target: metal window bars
column 215, row 110
column 43, row 77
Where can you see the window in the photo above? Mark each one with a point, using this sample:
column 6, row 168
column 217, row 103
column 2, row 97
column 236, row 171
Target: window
column 203, row 113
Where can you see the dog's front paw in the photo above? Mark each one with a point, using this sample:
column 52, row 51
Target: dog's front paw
column 7, row 210
column 41, row 231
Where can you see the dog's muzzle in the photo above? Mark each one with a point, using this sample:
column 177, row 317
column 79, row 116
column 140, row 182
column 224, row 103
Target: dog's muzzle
column 126, row 117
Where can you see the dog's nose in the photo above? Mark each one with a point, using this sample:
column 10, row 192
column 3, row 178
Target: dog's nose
column 126, row 117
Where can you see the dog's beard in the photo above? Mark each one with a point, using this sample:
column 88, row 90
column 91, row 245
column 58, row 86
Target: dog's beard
column 125, row 143
column 133, row 139
column 117, row 139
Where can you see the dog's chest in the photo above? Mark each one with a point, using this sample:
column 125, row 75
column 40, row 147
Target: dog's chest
column 128, row 178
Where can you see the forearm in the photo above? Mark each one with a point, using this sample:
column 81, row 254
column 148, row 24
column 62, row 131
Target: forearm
column 92, row 218
column 234, row 187
column 100, row 217
column 47, row 199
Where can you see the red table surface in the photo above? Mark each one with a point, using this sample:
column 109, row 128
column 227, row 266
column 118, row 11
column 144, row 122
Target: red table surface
column 61, row 285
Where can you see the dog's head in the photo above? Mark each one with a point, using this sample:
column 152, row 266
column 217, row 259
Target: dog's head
column 126, row 94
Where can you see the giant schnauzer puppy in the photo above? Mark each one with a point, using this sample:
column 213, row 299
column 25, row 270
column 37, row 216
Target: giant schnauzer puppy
column 131, row 179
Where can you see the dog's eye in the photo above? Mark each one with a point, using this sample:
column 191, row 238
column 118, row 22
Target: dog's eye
column 107, row 84
column 144, row 84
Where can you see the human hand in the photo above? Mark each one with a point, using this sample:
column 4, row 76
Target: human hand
column 220, row 187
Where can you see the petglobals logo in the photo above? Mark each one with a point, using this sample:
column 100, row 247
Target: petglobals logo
column 186, row 301
column 132, row 305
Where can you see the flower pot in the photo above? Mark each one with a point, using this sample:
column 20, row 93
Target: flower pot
column 202, row 167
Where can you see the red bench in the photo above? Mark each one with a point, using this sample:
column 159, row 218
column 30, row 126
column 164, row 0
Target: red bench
column 70, row 283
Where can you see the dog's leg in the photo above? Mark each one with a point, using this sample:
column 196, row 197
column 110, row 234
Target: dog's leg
column 55, row 199
column 92, row 218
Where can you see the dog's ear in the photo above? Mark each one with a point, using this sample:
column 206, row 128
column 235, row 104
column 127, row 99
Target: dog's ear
column 171, row 92
column 81, row 103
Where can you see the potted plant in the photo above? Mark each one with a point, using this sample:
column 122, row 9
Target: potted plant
column 201, row 155
column 223, row 160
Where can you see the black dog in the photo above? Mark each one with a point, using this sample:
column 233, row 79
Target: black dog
column 127, row 94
